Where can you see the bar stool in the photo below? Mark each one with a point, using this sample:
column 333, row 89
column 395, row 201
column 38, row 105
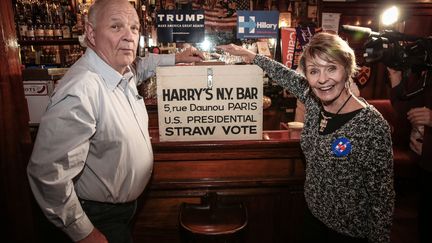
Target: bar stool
column 212, row 221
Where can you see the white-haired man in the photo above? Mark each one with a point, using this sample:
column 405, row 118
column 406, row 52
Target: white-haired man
column 93, row 157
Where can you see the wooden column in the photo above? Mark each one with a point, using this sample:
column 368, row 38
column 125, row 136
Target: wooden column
column 15, row 143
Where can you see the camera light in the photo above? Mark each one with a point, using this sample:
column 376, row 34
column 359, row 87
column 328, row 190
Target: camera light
column 390, row 16
column 206, row 45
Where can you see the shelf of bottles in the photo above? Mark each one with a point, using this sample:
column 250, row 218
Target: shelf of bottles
column 48, row 31
column 147, row 13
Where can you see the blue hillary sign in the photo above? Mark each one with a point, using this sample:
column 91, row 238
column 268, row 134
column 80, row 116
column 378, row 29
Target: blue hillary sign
column 257, row 24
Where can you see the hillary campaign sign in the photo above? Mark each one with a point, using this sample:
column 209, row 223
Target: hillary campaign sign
column 257, row 24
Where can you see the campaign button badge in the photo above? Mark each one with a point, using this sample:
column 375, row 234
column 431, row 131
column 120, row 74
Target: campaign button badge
column 341, row 147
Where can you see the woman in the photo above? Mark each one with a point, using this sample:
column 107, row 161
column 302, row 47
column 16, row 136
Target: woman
column 346, row 142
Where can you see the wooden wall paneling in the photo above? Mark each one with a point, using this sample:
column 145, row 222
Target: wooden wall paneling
column 266, row 175
column 418, row 18
column 275, row 213
column 15, row 143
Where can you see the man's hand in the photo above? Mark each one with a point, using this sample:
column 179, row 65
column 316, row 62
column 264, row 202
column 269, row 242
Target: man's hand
column 420, row 116
column 94, row 237
column 190, row 54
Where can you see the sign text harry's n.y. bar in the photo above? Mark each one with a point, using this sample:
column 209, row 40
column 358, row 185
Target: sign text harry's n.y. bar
column 230, row 110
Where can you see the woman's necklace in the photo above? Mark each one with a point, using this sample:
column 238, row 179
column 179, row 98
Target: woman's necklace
column 325, row 119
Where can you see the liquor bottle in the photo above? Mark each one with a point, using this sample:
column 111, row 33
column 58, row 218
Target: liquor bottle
column 57, row 55
column 49, row 31
column 37, row 53
column 67, row 14
column 57, row 12
column 82, row 10
column 51, row 55
column 20, row 19
column 75, row 31
column 80, row 14
column 42, row 56
column 68, row 20
column 19, row 9
column 38, row 12
column 67, row 55
column 23, row 56
column 28, row 11
column 58, row 32
column 66, row 33
column 22, row 27
column 48, row 12
column 30, row 55
column 39, row 31
column 30, row 33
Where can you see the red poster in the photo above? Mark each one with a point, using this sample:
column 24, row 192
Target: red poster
column 288, row 39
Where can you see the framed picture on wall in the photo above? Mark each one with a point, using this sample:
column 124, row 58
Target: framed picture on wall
column 312, row 11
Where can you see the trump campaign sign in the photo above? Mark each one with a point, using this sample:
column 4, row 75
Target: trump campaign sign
column 180, row 26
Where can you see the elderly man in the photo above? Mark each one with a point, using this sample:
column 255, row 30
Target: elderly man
column 92, row 157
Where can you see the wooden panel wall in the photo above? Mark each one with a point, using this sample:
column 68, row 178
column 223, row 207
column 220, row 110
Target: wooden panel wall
column 266, row 175
column 15, row 199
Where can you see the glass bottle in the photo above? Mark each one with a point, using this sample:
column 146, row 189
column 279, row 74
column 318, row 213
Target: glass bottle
column 49, row 31
column 66, row 34
column 58, row 31
column 39, row 31
column 30, row 33
column 20, row 19
column 22, row 27
column 68, row 20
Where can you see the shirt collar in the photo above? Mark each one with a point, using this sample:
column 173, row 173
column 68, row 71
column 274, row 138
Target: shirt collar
column 111, row 77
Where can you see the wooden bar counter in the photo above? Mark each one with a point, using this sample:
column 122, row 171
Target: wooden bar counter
column 266, row 175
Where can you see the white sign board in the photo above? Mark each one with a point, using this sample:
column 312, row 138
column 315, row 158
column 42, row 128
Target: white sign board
column 37, row 94
column 202, row 103
column 330, row 22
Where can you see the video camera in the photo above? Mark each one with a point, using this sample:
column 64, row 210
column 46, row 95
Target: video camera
column 396, row 50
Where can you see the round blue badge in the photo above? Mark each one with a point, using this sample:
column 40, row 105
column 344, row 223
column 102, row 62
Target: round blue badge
column 341, row 147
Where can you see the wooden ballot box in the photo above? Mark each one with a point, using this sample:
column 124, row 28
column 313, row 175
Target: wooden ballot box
column 202, row 103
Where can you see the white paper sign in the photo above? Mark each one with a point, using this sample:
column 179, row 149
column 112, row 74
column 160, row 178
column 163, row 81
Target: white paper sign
column 330, row 22
column 198, row 103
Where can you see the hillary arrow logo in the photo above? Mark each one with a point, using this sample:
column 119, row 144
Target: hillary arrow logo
column 242, row 24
